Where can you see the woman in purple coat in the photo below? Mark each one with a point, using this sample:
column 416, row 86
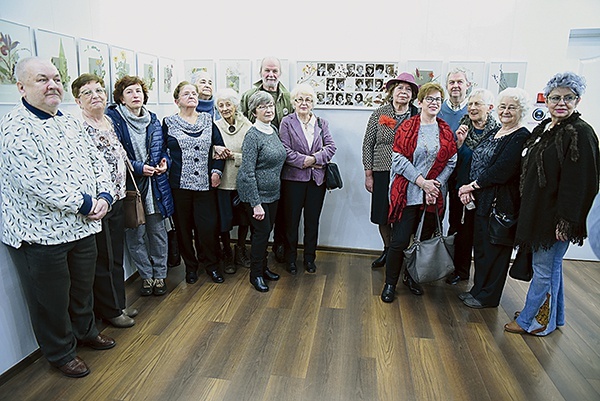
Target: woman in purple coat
column 309, row 147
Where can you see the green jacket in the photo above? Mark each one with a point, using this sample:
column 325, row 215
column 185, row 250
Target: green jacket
column 283, row 103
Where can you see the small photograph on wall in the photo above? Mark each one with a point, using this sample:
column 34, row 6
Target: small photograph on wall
column 93, row 59
column 16, row 44
column 122, row 63
column 504, row 75
column 234, row 74
column 61, row 50
column 193, row 67
column 347, row 84
column 166, row 80
column 147, row 66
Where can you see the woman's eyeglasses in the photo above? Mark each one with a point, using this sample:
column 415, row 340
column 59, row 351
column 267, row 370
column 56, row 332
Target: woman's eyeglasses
column 88, row 93
column 567, row 99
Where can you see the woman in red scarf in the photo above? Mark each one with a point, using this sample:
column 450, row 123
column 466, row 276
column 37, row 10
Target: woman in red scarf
column 424, row 156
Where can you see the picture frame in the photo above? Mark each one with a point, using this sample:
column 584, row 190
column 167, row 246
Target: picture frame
column 192, row 67
column 234, row 74
column 147, row 66
column 476, row 73
column 61, row 50
column 16, row 40
column 426, row 71
column 505, row 74
column 94, row 58
column 347, row 84
column 122, row 63
column 167, row 80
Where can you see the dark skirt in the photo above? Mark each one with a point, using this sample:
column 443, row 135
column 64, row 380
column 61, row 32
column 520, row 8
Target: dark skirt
column 380, row 202
column 230, row 215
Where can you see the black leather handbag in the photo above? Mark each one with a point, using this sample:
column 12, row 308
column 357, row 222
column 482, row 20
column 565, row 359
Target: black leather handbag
column 522, row 266
column 333, row 177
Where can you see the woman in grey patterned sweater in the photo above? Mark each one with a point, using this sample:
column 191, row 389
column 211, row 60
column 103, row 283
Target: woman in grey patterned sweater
column 259, row 183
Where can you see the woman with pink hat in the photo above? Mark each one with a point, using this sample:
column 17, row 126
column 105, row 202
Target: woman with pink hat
column 377, row 150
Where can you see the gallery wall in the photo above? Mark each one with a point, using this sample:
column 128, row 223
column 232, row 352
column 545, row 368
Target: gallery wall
column 427, row 31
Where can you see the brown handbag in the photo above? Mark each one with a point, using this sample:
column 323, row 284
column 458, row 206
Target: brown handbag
column 133, row 207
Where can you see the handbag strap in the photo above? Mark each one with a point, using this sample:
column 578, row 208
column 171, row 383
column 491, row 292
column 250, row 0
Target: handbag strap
column 130, row 171
column 422, row 223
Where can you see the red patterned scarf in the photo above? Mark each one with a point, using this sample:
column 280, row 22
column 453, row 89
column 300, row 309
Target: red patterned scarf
column 405, row 142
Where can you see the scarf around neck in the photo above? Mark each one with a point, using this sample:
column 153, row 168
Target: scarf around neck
column 473, row 139
column 137, row 123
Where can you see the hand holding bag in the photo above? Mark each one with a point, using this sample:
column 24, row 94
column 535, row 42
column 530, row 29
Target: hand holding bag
column 133, row 207
column 432, row 259
column 333, row 177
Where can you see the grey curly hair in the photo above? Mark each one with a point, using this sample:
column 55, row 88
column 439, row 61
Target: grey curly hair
column 566, row 79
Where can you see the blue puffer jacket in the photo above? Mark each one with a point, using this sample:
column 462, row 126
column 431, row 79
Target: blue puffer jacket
column 154, row 137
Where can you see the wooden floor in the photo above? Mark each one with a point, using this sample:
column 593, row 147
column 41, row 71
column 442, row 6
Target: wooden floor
column 328, row 336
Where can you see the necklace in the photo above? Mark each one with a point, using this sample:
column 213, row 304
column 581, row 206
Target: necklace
column 231, row 128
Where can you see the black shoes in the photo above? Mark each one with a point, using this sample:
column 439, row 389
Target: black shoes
column 269, row 275
column 292, row 268
column 147, row 287
column 160, row 287
column 412, row 285
column 191, row 277
column 380, row 261
column 389, row 293
column 310, row 267
column 464, row 295
column 454, row 279
column 259, row 284
column 216, row 277
column 278, row 251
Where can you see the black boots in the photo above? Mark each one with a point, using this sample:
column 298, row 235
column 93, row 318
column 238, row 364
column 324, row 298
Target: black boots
column 380, row 261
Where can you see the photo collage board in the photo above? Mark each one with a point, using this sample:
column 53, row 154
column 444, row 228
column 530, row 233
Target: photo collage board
column 74, row 56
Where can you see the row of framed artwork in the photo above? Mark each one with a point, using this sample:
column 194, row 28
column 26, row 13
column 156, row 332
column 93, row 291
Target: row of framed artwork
column 346, row 85
column 73, row 57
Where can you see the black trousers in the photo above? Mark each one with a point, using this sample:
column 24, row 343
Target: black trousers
column 401, row 234
column 109, row 280
column 491, row 265
column 463, row 244
column 196, row 221
column 261, row 230
column 58, row 283
column 298, row 196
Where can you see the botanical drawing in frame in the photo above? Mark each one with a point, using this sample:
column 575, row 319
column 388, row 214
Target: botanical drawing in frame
column 234, row 74
column 94, row 59
column 147, row 66
column 16, row 43
column 122, row 63
column 61, row 50
column 193, row 67
column 475, row 73
column 349, row 84
column 167, row 80
column 504, row 75
column 426, row 71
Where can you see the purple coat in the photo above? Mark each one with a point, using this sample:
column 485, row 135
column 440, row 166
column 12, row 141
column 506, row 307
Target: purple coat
column 297, row 149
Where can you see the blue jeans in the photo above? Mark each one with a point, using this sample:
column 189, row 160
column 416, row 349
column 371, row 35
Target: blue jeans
column 544, row 308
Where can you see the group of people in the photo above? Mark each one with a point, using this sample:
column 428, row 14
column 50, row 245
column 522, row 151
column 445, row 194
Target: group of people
column 257, row 162
column 456, row 154
column 223, row 161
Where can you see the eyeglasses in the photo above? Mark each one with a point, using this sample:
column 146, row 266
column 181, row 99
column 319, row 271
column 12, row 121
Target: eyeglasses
column 300, row 100
column 510, row 108
column 567, row 99
column 265, row 106
column 430, row 99
column 89, row 93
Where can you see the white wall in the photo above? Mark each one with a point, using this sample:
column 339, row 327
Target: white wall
column 535, row 31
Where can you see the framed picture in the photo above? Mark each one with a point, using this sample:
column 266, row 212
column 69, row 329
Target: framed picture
column 147, row 66
column 94, row 59
column 166, row 80
column 426, row 71
column 61, row 50
column 504, row 75
column 476, row 73
column 234, row 74
column 16, row 43
column 349, row 84
column 122, row 62
column 193, row 67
